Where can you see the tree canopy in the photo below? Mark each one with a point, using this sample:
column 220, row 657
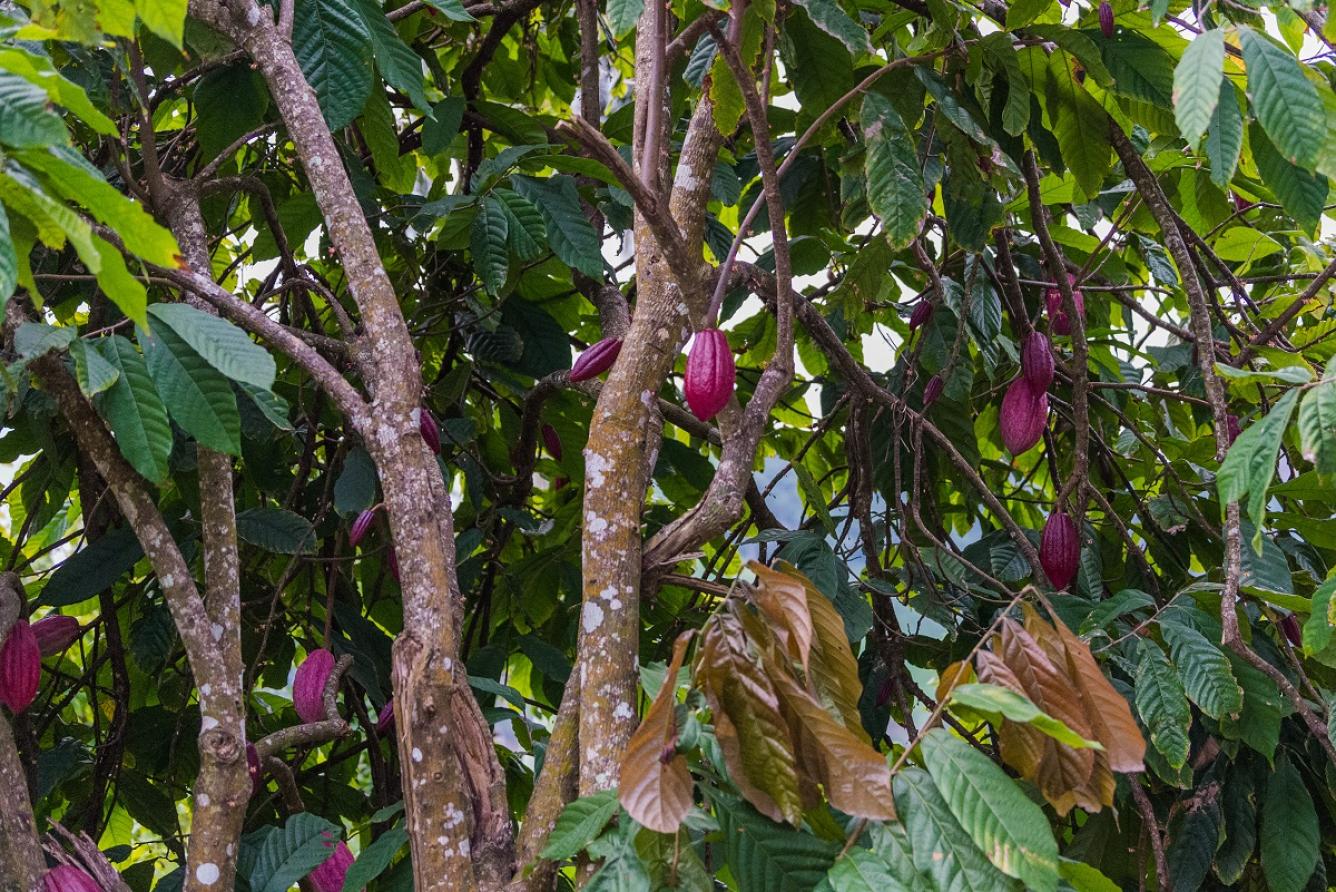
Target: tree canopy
column 517, row 444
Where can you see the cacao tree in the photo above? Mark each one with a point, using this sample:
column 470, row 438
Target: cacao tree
column 521, row 445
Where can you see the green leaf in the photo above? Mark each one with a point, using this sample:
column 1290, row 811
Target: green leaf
column 9, row 261
column 1084, row 878
column 229, row 103
column 1285, row 101
column 221, row 344
column 277, row 530
column 524, row 225
column 398, row 64
column 304, row 843
column 1318, row 637
column 165, row 18
column 1317, row 426
column 374, row 859
column 768, row 857
column 1301, row 193
column 355, row 490
column 443, row 125
column 1224, row 136
column 93, row 373
column 1251, row 462
column 623, row 15
column 942, row 850
column 829, row 17
column 1204, row 671
column 452, row 9
column 125, row 291
column 333, row 47
column 890, row 841
column 491, row 256
column 1290, row 374
column 93, row 569
column 1124, row 602
column 25, row 120
column 579, row 823
column 1197, row 79
column 1003, row 822
column 998, row 703
column 135, row 412
column 895, row 188
column 1239, row 812
column 198, row 397
column 1290, row 841
column 861, row 870
column 569, row 232
column 1163, row 706
column 40, row 72
column 1080, row 125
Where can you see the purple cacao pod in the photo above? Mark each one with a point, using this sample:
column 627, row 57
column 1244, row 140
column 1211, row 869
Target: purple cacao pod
column 357, row 532
column 932, row 390
column 1242, row 204
column 1057, row 314
column 1037, row 360
column 308, row 687
column 1060, row 549
column 921, row 315
column 551, row 441
column 1023, row 416
column 431, row 432
column 329, row 876
column 68, row 878
column 1106, row 18
column 253, row 766
column 1290, row 626
column 710, row 374
column 20, row 667
column 596, row 360
column 55, row 632
column 1233, row 427
column 385, row 720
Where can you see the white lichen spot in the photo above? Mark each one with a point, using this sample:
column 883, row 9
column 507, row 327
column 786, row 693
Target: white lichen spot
column 453, row 816
column 217, row 631
column 463, row 848
column 623, row 711
column 207, row 723
column 168, row 581
column 616, row 604
column 593, row 616
column 595, row 524
column 203, row 800
column 595, row 465
column 417, row 754
column 207, row 874
column 448, row 664
column 685, row 179
column 608, row 593
column 205, row 690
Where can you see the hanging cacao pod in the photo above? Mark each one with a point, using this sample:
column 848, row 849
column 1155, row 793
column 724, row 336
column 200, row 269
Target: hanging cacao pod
column 385, row 719
column 431, row 432
column 308, row 686
column 55, row 632
column 710, row 374
column 1060, row 549
column 596, row 360
column 1233, row 427
column 329, row 876
column 20, row 667
column 1057, row 313
column 68, row 878
column 1290, row 626
column 1106, row 18
column 921, row 316
column 1037, row 360
column 552, row 441
column 360, row 526
column 1023, row 416
column 932, row 390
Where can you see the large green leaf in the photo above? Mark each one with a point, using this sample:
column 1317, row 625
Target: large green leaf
column 1080, row 124
column 488, row 243
column 9, row 261
column 623, row 15
column 333, row 47
column 92, row 569
column 941, row 849
column 895, row 189
column 768, row 857
column 373, row 860
column 1163, row 706
column 197, row 395
column 829, row 17
column 1224, row 136
column 1290, row 841
column 1003, row 822
column 229, row 102
column 398, row 64
column 25, row 119
column 1251, row 462
column 998, row 703
column 1317, row 426
column 91, row 370
column 305, row 842
column 220, row 343
column 135, row 412
column 1197, row 83
column 165, row 18
column 579, row 823
column 863, row 870
column 41, row 72
column 569, row 232
column 277, row 530
column 1285, row 101
column 1301, row 193
column 1204, row 670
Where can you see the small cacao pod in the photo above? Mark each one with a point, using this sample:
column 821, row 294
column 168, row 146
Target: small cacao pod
column 596, row 360
column 710, row 373
column 55, row 632
column 1242, row 204
column 1057, row 313
column 431, row 432
column 1290, row 626
column 20, row 667
column 68, row 878
column 932, row 390
column 1060, row 549
column 1106, row 18
column 329, row 876
column 385, row 719
column 1023, row 416
column 1037, row 360
column 1233, row 427
column 552, row 441
column 360, row 526
column 253, row 766
column 393, row 561
column 308, row 686
column 921, row 316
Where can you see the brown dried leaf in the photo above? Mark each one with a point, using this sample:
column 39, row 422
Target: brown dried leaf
column 1110, row 716
column 959, row 672
column 783, row 600
column 752, row 733
column 655, row 786
column 1022, row 745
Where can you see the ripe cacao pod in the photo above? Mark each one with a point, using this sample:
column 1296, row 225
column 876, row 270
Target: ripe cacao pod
column 710, row 374
column 20, row 667
column 1106, row 18
column 1060, row 549
column 1037, row 360
column 921, row 315
column 360, row 526
column 68, row 878
column 552, row 441
column 1023, row 416
column 253, row 766
column 329, row 876
column 55, row 632
column 1233, row 427
column 1290, row 626
column 1242, row 204
column 385, row 719
column 596, row 360
column 932, row 390
column 431, row 432
column 308, row 687
column 1057, row 313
